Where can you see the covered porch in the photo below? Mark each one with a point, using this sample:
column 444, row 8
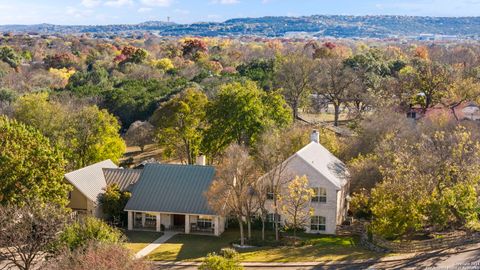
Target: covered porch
column 186, row 223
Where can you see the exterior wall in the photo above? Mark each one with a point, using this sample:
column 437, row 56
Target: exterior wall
column 166, row 220
column 78, row 201
column 330, row 209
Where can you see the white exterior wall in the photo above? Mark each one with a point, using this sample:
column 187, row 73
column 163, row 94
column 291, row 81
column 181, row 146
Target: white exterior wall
column 330, row 209
column 166, row 220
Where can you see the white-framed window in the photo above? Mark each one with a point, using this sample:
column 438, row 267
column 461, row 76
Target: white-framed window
column 270, row 193
column 319, row 195
column 271, row 216
column 318, row 223
column 204, row 222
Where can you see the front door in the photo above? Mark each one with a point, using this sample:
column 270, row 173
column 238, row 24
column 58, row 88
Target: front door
column 178, row 221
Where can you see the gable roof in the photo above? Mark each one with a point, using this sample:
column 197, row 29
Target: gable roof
column 324, row 162
column 90, row 180
column 124, row 178
column 171, row 188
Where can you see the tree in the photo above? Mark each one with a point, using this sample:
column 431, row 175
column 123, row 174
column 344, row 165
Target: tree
column 296, row 75
column 232, row 190
column 93, row 137
column 30, row 168
column 180, row 123
column 295, row 204
column 259, row 70
column 428, row 182
column 9, row 56
column 193, row 47
column 140, row 133
column 80, row 234
column 334, row 83
column 271, row 155
column 113, row 202
column 428, row 80
column 46, row 115
column 240, row 113
column 28, row 231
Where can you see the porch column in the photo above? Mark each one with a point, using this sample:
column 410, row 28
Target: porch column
column 159, row 222
column 143, row 219
column 130, row 220
column 216, row 225
column 187, row 224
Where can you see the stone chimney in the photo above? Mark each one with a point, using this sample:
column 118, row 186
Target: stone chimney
column 315, row 136
column 202, row 160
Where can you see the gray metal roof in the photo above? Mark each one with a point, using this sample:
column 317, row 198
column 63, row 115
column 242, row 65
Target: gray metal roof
column 171, row 188
column 124, row 178
column 90, row 180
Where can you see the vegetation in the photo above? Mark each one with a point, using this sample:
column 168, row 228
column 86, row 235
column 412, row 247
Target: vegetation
column 113, row 202
column 30, row 167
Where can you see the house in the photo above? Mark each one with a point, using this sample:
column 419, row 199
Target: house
column 327, row 176
column 171, row 197
column 88, row 184
column 164, row 196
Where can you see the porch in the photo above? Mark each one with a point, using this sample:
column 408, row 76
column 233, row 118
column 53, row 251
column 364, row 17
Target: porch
column 186, row 223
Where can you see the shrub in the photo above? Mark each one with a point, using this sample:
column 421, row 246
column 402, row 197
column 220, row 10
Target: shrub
column 217, row 262
column 81, row 233
column 99, row 256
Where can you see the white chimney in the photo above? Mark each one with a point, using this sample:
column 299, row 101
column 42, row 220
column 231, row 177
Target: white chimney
column 202, row 160
column 315, row 137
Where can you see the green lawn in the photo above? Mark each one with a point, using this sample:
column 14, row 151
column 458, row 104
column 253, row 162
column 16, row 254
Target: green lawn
column 318, row 248
column 137, row 240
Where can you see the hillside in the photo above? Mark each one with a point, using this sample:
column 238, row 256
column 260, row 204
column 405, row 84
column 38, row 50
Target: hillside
column 318, row 25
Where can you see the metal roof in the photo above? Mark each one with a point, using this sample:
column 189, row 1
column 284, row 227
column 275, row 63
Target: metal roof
column 90, row 180
column 124, row 178
column 325, row 163
column 171, row 188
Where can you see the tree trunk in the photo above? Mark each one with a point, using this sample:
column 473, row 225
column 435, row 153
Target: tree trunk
column 337, row 113
column 242, row 238
column 249, row 228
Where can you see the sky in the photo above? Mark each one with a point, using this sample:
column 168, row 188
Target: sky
column 89, row 12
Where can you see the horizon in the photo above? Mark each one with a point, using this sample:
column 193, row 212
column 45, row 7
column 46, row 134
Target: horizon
column 247, row 17
column 112, row 12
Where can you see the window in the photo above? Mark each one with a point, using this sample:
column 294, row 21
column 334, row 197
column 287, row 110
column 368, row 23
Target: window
column 204, row 222
column 270, row 218
column 317, row 223
column 319, row 195
column 270, row 193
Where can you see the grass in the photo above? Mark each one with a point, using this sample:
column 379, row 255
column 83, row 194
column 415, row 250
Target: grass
column 137, row 240
column 317, row 248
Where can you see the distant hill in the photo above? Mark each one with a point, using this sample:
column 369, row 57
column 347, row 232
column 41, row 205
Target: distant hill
column 318, row 25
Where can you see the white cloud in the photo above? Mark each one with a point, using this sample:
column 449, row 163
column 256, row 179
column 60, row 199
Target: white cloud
column 157, row 3
column 225, row 2
column 90, row 3
column 144, row 9
column 118, row 3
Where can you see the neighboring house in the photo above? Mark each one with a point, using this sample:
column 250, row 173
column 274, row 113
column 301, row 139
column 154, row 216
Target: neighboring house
column 464, row 111
column 88, row 184
column 164, row 196
column 327, row 176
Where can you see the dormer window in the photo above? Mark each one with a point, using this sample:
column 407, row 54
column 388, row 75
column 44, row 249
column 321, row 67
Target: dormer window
column 319, row 195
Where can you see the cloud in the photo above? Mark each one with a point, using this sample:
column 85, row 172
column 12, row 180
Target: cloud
column 90, row 3
column 225, row 2
column 118, row 3
column 144, row 10
column 157, row 3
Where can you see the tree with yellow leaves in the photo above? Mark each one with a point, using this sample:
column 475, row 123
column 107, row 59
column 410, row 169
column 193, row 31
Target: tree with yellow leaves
column 295, row 204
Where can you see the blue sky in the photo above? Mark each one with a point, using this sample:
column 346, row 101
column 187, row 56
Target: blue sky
column 187, row 11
